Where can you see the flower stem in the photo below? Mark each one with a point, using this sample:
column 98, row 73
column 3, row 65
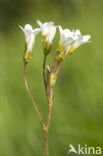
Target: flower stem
column 33, row 101
column 49, row 95
column 46, row 142
column 44, row 77
column 49, row 106
column 46, row 127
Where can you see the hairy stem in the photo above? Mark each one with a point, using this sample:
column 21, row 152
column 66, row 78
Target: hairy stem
column 33, row 101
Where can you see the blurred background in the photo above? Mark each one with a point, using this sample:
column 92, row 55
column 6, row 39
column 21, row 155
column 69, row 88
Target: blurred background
column 77, row 115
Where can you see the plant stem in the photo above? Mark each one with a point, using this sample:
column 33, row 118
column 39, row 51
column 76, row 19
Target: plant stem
column 46, row 127
column 33, row 101
column 44, row 77
column 55, row 67
column 49, row 95
column 50, row 90
column 46, row 142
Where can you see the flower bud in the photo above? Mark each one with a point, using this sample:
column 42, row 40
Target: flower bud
column 53, row 78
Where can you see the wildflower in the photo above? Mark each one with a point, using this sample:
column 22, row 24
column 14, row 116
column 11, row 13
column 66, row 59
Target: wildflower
column 65, row 43
column 30, row 39
column 69, row 42
column 79, row 40
column 48, row 32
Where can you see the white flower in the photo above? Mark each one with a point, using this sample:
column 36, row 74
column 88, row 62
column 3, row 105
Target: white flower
column 48, row 31
column 79, row 40
column 30, row 35
column 66, row 40
column 71, row 40
column 30, row 39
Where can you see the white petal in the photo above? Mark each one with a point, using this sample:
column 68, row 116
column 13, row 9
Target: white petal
column 51, row 33
column 46, row 29
column 50, row 23
column 77, row 32
column 31, row 42
column 28, row 27
column 36, row 31
column 62, row 36
column 67, row 33
column 70, row 41
column 86, row 38
column 25, row 31
column 22, row 28
column 39, row 23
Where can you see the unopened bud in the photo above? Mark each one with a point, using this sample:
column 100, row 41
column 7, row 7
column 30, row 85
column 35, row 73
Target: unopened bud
column 53, row 78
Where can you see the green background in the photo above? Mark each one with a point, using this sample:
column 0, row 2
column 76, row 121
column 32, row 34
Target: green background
column 77, row 114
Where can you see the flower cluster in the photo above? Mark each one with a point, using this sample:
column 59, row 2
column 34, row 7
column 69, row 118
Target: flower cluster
column 69, row 40
column 68, row 43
